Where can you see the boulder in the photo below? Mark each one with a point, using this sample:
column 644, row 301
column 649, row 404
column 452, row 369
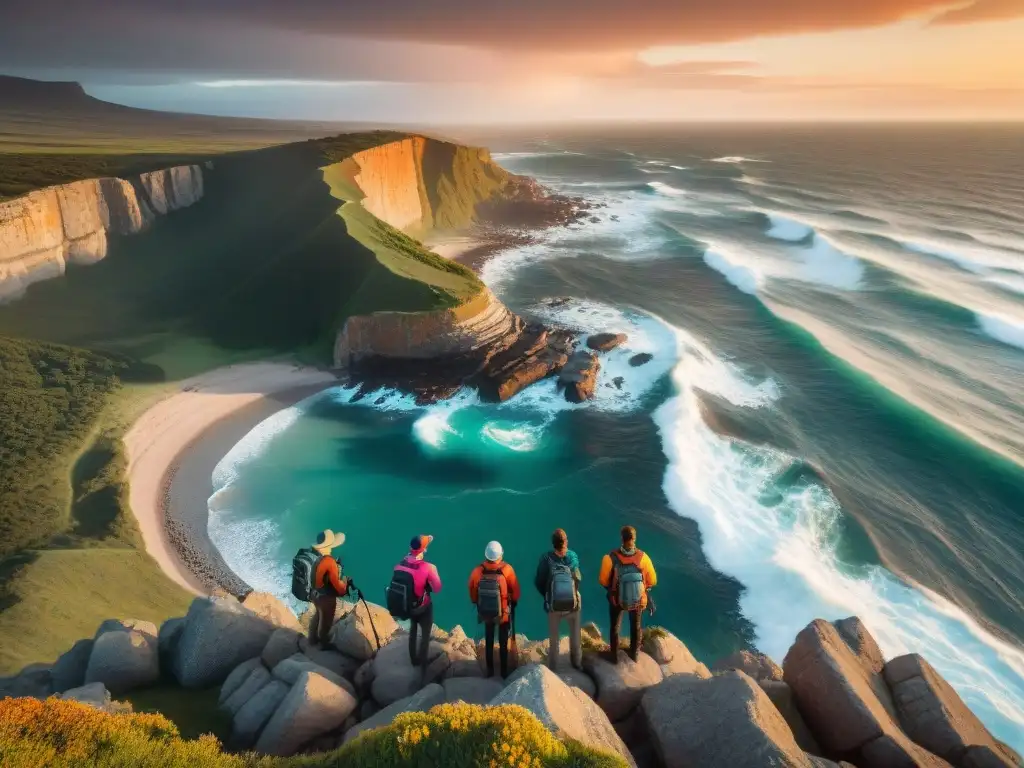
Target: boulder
column 565, row 711
column 572, row 677
column 935, row 716
column 272, row 610
column 283, row 643
column 125, row 655
column 579, row 377
column 363, row 678
column 781, row 696
column 237, row 676
column 671, row 654
column 724, row 720
column 621, row 686
column 861, row 643
column 219, row 634
column 69, row 670
column 642, row 358
column 314, row 706
column 394, row 676
column 254, row 714
column 751, row 663
column 258, row 678
column 472, row 690
column 353, row 635
column 421, row 701
column 94, row 695
column 845, row 701
column 167, row 642
column 603, row 342
column 842, row 701
column 338, row 663
column 291, row 669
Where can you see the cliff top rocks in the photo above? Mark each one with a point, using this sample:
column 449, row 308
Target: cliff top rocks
column 841, row 700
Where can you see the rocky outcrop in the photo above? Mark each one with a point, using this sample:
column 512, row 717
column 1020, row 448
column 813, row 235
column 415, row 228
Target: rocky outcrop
column 125, row 655
column 604, row 342
column 579, row 377
column 725, row 720
column 621, row 686
column 935, row 716
column 752, row 663
column 564, row 711
column 312, row 707
column 44, row 231
column 672, row 655
column 359, row 632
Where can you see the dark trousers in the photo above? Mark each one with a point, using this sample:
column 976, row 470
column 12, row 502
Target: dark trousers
column 323, row 619
column 635, row 618
column 421, row 624
column 502, row 647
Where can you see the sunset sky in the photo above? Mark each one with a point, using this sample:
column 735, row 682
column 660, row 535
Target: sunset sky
column 463, row 61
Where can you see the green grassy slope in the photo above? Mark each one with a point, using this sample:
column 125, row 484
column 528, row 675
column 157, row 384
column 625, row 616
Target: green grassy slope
column 271, row 261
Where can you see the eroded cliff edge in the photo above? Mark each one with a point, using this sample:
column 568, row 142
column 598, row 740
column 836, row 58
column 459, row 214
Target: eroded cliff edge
column 44, row 231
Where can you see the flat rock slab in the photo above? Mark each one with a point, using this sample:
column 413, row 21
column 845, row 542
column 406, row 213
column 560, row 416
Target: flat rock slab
column 621, row 686
column 291, row 669
column 726, row 720
column 565, row 711
column 314, row 706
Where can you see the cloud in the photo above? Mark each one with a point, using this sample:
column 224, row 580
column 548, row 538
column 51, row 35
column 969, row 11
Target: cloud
column 982, row 10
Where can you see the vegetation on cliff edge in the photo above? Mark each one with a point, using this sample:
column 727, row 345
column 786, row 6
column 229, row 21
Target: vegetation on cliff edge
column 57, row 733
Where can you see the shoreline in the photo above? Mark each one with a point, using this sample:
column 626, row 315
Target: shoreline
column 174, row 446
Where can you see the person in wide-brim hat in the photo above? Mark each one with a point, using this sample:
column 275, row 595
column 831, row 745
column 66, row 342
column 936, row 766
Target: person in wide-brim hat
column 327, row 540
column 329, row 584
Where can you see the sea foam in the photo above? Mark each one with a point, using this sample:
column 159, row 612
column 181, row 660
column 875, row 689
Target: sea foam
column 785, row 552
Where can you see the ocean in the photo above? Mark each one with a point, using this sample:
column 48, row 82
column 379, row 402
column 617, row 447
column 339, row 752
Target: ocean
column 832, row 422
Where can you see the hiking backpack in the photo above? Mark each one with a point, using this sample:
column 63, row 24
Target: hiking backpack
column 492, row 595
column 562, row 594
column 629, row 584
column 400, row 595
column 304, row 575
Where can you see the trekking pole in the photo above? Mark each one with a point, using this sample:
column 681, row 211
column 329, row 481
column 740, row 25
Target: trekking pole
column 369, row 616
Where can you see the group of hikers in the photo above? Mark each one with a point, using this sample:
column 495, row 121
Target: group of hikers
column 627, row 575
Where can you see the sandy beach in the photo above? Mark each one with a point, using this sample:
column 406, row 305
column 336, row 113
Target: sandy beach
column 174, row 446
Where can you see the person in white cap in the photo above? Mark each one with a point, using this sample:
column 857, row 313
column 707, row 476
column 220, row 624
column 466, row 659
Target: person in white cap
column 319, row 576
column 494, row 589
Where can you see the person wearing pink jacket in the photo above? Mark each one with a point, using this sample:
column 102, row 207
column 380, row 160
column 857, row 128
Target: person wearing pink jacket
column 426, row 581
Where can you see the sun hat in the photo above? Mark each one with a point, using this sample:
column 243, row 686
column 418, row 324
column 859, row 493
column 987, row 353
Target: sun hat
column 420, row 542
column 328, row 539
column 493, row 551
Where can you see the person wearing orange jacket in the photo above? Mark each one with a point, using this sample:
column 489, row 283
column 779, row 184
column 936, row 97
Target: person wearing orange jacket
column 628, row 575
column 494, row 590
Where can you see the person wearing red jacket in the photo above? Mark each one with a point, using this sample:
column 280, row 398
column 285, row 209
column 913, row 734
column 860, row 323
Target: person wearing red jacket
column 494, row 590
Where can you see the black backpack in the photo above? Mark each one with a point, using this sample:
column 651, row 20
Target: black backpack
column 562, row 595
column 400, row 595
column 304, row 575
column 491, row 595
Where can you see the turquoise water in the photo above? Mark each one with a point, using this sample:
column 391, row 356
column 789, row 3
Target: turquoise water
column 831, row 424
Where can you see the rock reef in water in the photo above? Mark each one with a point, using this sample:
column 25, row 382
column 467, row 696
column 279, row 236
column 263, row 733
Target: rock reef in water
column 44, row 231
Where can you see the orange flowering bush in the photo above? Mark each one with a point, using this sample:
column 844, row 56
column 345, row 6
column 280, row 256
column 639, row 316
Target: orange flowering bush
column 55, row 732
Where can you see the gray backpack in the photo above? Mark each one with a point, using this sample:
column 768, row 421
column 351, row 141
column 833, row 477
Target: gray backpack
column 629, row 582
column 562, row 595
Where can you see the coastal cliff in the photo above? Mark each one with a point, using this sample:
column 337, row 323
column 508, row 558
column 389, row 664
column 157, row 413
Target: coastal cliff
column 44, row 231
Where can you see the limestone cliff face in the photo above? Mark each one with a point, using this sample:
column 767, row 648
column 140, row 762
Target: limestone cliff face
column 44, row 231
column 480, row 322
column 419, row 184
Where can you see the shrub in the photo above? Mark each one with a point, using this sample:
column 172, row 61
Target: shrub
column 465, row 736
column 59, row 733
